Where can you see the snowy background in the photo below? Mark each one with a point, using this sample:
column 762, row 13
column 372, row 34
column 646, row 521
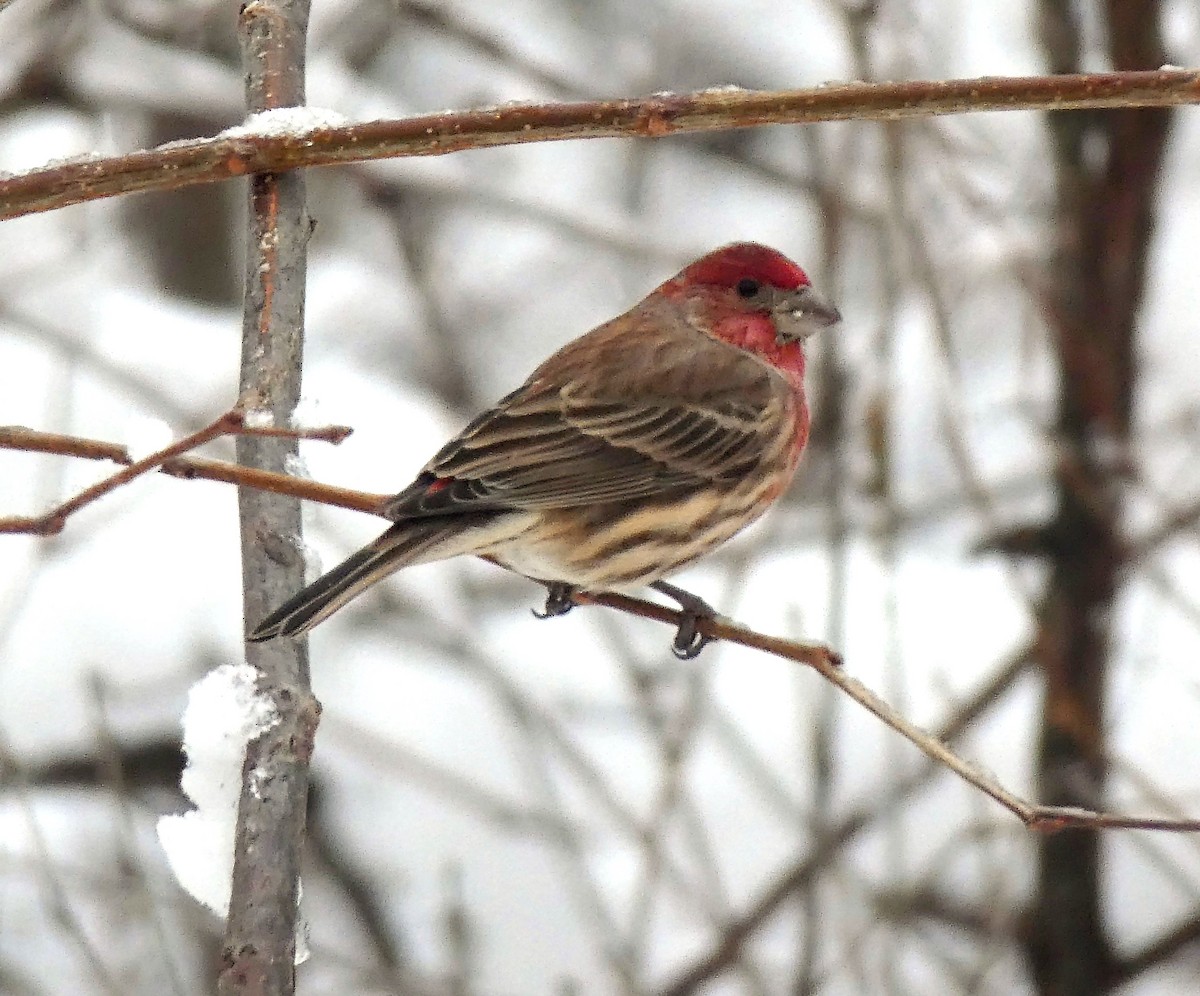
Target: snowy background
column 507, row 806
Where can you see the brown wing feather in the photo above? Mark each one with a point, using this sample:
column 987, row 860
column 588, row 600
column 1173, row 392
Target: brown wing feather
column 573, row 434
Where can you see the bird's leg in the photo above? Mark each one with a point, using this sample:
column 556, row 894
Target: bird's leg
column 689, row 641
column 559, row 600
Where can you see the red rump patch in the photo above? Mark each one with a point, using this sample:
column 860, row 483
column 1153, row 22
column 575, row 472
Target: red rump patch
column 725, row 267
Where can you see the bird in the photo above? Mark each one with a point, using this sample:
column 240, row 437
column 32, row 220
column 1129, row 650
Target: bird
column 629, row 453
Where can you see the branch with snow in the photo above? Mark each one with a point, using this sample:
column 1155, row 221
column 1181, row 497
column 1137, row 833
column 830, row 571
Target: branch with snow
column 225, row 711
column 260, row 948
column 276, row 141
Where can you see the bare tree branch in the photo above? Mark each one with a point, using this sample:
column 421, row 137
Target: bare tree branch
column 207, row 160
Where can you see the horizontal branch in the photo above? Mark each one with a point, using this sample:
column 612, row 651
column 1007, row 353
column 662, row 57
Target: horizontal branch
column 278, row 148
column 826, row 662
column 198, row 468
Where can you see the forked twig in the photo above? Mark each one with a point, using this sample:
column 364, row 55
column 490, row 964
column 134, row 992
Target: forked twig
column 232, row 423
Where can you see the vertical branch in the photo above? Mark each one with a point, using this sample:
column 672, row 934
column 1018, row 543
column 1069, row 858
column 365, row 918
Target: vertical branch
column 1107, row 169
column 259, row 951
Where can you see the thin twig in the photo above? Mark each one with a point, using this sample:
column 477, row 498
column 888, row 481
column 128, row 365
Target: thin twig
column 51, row 523
column 220, row 157
column 20, row 437
column 190, row 468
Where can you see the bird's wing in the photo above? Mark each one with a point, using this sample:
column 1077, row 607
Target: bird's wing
column 543, row 448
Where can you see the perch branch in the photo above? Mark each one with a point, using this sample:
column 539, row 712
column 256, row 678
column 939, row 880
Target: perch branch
column 822, row 659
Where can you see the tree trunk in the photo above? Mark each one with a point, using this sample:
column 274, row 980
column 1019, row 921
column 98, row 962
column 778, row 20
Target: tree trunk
column 1107, row 171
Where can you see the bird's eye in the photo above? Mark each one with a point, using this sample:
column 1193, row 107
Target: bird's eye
column 747, row 287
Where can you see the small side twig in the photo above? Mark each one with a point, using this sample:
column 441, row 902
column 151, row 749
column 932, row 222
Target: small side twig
column 20, row 437
column 198, row 468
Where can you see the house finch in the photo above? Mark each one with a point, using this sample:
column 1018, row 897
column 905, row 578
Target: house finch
column 629, row 453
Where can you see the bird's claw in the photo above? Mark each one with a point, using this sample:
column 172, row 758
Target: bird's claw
column 559, row 601
column 689, row 641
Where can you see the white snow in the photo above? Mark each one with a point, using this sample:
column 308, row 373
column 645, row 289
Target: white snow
column 286, row 121
column 225, row 711
column 258, row 418
column 294, row 465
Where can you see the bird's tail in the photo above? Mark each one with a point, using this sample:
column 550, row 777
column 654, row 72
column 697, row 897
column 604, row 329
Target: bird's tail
column 403, row 544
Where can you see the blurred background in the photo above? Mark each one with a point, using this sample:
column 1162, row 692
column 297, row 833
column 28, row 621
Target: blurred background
column 995, row 522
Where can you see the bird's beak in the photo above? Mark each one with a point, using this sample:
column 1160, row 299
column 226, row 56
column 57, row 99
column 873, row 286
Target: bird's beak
column 800, row 313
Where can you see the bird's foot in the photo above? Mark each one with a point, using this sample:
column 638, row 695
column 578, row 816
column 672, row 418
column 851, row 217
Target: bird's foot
column 559, row 600
column 689, row 641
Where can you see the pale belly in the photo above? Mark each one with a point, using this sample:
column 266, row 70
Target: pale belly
column 628, row 551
